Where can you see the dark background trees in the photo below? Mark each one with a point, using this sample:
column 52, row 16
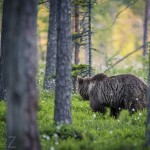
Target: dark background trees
column 77, row 32
column 146, row 27
column 50, row 71
column 83, row 31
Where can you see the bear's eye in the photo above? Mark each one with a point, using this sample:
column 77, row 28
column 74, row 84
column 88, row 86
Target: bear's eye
column 80, row 81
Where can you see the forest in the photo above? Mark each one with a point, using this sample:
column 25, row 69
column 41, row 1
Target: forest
column 75, row 74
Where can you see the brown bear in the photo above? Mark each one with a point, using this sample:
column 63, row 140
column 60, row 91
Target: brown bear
column 118, row 92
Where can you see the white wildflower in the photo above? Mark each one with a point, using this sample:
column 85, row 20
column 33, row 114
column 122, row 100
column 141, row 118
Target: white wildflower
column 55, row 135
column 94, row 115
column 58, row 127
column 52, row 148
column 44, row 136
column 56, row 143
column 47, row 137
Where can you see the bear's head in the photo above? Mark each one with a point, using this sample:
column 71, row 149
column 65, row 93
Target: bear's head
column 99, row 77
column 85, row 84
column 83, row 87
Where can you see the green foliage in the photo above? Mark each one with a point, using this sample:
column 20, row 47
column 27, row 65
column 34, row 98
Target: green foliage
column 41, row 2
column 82, row 3
column 81, row 70
column 89, row 131
column 1, row 12
column 127, row 2
column 141, row 73
column 62, row 133
column 2, row 125
column 110, row 60
column 137, row 8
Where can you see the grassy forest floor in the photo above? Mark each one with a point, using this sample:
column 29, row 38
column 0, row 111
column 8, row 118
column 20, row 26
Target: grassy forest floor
column 89, row 131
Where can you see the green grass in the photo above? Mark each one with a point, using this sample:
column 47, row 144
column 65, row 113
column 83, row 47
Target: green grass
column 89, row 130
column 2, row 125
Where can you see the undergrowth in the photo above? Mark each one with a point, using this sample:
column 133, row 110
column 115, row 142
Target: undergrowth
column 89, row 130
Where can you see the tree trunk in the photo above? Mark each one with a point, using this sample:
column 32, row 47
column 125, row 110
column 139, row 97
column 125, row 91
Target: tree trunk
column 148, row 110
column 62, row 112
column 21, row 49
column 89, row 38
column 2, row 85
column 2, row 63
column 146, row 24
column 77, row 44
column 147, row 17
column 145, row 50
column 50, row 71
column 88, row 43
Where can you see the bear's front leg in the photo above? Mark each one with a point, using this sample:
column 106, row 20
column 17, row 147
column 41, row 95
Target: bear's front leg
column 98, row 107
column 114, row 112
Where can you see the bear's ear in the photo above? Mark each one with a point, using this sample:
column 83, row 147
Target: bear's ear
column 80, row 80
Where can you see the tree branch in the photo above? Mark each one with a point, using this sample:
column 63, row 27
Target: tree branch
column 127, row 56
column 117, row 15
column 39, row 3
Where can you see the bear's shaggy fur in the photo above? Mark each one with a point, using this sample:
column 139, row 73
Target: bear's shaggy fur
column 124, row 91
